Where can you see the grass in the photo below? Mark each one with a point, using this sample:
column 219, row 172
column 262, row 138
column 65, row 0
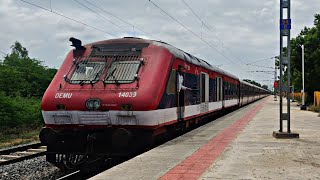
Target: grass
column 16, row 136
column 314, row 108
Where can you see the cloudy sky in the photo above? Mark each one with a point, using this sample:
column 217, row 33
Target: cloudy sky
column 239, row 32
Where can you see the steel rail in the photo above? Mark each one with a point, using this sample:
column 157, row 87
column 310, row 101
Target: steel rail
column 20, row 149
column 73, row 175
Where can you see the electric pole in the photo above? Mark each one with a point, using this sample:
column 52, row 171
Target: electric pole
column 285, row 27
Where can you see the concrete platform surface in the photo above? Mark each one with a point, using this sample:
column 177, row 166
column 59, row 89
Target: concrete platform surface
column 237, row 146
column 255, row 154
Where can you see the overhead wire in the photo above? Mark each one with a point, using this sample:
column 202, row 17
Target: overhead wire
column 266, row 72
column 198, row 17
column 269, row 80
column 191, row 32
column 124, row 21
column 194, row 33
column 260, row 66
column 265, row 77
column 3, row 53
column 211, row 30
column 74, row 20
column 259, row 61
column 93, row 27
column 223, row 45
column 106, row 19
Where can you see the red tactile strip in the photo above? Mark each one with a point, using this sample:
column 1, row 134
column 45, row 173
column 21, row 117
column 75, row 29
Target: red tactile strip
column 196, row 164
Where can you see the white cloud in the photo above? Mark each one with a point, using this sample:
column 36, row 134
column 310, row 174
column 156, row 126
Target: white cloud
column 249, row 28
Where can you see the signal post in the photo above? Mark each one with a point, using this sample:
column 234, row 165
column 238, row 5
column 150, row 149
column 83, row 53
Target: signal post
column 285, row 27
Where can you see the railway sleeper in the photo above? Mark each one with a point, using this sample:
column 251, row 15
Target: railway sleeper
column 9, row 157
column 25, row 153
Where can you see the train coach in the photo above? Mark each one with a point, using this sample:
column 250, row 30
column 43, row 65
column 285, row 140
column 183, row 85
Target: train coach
column 110, row 98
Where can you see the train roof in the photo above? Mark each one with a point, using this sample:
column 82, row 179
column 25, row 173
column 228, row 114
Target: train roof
column 252, row 85
column 192, row 59
column 176, row 52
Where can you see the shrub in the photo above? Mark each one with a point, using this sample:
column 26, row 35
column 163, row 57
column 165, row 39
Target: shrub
column 314, row 108
column 18, row 111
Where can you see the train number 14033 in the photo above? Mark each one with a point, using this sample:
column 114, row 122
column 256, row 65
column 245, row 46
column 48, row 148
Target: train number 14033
column 127, row 94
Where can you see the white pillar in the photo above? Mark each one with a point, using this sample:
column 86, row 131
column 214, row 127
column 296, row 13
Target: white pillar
column 303, row 101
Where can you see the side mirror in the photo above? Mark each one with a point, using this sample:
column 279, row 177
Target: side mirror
column 78, row 45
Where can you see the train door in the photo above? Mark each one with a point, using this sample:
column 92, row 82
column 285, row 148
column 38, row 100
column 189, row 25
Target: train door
column 239, row 95
column 219, row 89
column 242, row 94
column 204, row 92
column 180, row 95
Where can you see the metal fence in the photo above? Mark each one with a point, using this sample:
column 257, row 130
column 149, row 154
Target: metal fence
column 298, row 96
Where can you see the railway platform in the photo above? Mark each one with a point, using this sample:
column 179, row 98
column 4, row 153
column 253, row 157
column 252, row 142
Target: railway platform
column 238, row 145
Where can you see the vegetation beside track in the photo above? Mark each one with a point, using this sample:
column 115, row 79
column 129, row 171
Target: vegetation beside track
column 23, row 81
column 315, row 109
column 15, row 136
column 310, row 38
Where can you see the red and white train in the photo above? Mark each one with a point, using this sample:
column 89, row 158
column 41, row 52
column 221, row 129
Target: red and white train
column 112, row 97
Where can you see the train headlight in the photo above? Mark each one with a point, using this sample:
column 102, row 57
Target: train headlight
column 93, row 104
column 126, row 107
column 61, row 107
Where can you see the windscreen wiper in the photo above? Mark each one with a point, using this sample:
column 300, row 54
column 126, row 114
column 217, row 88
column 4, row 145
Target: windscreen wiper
column 111, row 74
column 114, row 78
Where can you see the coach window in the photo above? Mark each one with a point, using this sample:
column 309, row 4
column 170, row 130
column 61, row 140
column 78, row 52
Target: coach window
column 220, row 89
column 203, row 87
column 231, row 91
column 214, row 90
column 171, row 86
column 228, row 90
column 235, row 90
column 211, row 90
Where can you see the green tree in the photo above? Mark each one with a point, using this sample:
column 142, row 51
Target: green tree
column 23, row 81
column 265, row 87
column 310, row 38
column 23, row 75
column 252, row 82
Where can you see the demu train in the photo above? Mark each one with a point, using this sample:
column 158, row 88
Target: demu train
column 113, row 97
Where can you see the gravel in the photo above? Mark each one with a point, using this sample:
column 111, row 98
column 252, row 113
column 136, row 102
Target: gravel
column 36, row 168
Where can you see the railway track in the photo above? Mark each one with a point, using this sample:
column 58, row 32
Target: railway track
column 19, row 153
column 73, row 175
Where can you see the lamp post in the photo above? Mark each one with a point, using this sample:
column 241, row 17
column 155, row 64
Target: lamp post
column 275, row 79
column 303, row 106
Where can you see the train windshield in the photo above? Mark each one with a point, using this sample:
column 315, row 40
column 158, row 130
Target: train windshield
column 87, row 72
column 122, row 72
